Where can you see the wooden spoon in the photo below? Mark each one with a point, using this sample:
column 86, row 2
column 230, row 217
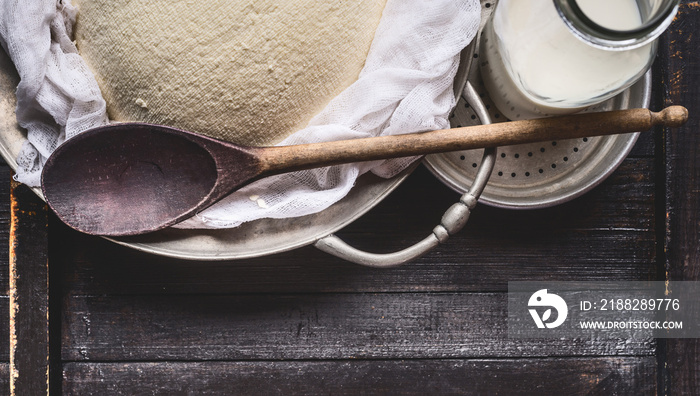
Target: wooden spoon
column 131, row 178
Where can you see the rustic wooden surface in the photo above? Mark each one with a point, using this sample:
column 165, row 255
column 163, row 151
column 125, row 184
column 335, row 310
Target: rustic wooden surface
column 303, row 322
column 29, row 292
column 682, row 190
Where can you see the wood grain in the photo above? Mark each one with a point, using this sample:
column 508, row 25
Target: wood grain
column 682, row 163
column 5, row 378
column 4, row 280
column 29, row 294
column 309, row 326
column 287, row 158
column 4, row 276
column 4, row 230
column 553, row 376
column 5, row 330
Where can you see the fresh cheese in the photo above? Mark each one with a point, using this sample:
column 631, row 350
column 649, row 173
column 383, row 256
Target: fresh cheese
column 248, row 71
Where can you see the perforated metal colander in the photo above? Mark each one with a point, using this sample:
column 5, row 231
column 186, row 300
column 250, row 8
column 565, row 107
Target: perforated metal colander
column 541, row 174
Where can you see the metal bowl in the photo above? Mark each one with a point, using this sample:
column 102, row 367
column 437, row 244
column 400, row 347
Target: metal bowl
column 257, row 238
column 538, row 175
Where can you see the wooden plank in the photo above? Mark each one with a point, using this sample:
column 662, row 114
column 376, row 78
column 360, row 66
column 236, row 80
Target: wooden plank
column 310, row 326
column 454, row 267
column 29, row 321
column 4, row 233
column 4, row 279
column 5, row 378
column 682, row 147
column 557, row 376
column 4, row 275
column 607, row 234
column 5, row 329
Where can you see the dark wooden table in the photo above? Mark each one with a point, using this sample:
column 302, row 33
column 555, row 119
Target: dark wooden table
column 302, row 322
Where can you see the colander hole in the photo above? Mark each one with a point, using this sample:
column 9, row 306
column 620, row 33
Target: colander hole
column 503, row 155
column 512, row 174
column 554, row 166
column 473, row 117
column 542, row 150
column 500, row 173
column 585, row 139
column 462, row 157
column 554, row 143
column 541, row 170
column 575, row 149
column 527, row 174
column 487, row 5
column 566, row 159
column 516, row 155
column 529, row 154
column 474, row 165
column 476, row 56
column 496, row 115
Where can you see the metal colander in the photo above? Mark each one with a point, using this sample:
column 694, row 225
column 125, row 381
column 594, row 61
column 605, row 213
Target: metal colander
column 540, row 174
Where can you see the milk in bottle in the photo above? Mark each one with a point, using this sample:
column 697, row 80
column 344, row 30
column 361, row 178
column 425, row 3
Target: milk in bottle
column 534, row 65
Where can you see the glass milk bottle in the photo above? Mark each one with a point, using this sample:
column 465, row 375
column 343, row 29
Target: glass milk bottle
column 552, row 57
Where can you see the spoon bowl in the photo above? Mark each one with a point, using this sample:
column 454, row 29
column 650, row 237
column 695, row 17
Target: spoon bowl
column 134, row 178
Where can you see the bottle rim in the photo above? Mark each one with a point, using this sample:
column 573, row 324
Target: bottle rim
column 600, row 36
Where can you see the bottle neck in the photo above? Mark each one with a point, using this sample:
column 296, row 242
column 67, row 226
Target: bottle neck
column 656, row 16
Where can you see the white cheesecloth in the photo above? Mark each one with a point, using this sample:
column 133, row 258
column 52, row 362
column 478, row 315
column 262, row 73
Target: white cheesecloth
column 405, row 86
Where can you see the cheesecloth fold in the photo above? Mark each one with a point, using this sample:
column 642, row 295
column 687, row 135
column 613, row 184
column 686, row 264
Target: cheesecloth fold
column 405, row 86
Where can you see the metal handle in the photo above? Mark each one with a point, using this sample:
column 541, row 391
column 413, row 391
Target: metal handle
column 452, row 221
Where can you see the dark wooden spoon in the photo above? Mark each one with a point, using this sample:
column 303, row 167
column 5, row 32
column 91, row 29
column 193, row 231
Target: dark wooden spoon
column 130, row 178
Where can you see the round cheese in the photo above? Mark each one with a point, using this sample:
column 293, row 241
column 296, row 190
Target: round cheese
column 248, row 71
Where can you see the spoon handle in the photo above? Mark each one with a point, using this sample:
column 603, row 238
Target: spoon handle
column 297, row 157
